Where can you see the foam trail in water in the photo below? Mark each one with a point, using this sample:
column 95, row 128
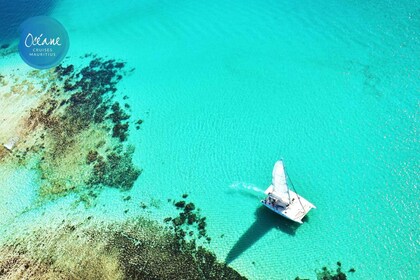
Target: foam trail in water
column 245, row 186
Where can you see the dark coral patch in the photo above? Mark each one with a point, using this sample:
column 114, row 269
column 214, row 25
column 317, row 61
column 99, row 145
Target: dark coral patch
column 91, row 157
column 116, row 170
column 188, row 220
column 120, row 131
column 331, row 274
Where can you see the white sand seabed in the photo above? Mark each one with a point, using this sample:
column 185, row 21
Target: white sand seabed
column 20, row 91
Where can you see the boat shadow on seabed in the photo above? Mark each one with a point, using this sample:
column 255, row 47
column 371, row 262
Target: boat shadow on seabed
column 265, row 221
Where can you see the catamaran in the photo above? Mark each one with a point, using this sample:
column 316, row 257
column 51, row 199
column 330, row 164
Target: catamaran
column 284, row 201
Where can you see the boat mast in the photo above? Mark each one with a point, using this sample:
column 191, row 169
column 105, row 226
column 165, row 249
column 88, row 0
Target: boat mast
column 286, row 176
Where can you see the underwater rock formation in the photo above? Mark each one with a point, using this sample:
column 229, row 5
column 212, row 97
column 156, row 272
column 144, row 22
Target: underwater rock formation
column 138, row 249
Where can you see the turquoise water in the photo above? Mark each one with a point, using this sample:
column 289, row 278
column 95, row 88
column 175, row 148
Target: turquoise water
column 227, row 87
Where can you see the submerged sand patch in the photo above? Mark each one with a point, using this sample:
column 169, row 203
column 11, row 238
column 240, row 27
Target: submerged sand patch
column 19, row 93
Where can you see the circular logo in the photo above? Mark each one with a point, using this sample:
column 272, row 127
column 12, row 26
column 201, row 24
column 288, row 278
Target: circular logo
column 43, row 42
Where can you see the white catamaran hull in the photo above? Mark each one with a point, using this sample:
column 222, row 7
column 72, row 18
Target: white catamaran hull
column 295, row 210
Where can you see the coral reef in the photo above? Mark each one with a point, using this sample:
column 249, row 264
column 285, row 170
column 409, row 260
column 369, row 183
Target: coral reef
column 96, row 250
column 77, row 131
column 116, row 169
column 189, row 220
column 330, row 274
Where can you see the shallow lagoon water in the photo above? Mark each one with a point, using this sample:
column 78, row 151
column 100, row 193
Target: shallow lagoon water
column 228, row 87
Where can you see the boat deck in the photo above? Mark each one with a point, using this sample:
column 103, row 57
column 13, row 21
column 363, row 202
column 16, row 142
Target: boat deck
column 295, row 211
